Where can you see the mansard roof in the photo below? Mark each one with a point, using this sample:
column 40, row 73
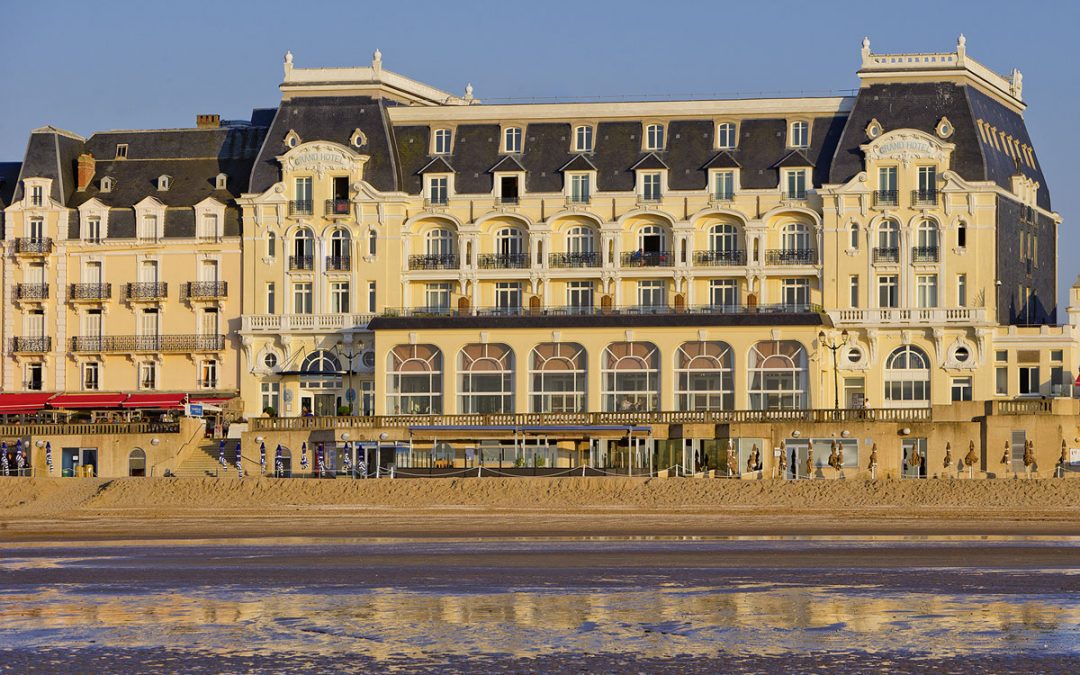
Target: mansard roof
column 578, row 163
column 507, row 163
column 794, row 159
column 437, row 165
column 649, row 161
column 723, row 160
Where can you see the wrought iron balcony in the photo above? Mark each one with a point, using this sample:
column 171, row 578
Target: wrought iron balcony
column 791, row 256
column 301, row 262
column 203, row 290
column 338, row 207
column 32, row 291
column 886, row 198
column 720, row 258
column 924, row 197
column 496, row 261
column 148, row 343
column 147, row 290
column 924, row 254
column 301, row 208
column 338, row 263
column 886, row 254
column 648, row 259
column 33, row 245
column 574, row 260
column 31, row 345
column 91, row 291
column 433, row 261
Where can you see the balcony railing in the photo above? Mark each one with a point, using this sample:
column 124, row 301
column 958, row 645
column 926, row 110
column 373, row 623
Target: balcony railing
column 924, row 254
column 924, row 197
column 720, row 258
column 905, row 316
column 301, row 207
column 647, row 259
column 578, row 200
column 886, row 254
column 886, row 198
column 33, row 245
column 148, row 343
column 88, row 428
column 91, row 291
column 623, row 310
column 1032, row 406
column 338, row 207
column 722, row 195
column 207, row 383
column 302, row 323
column 794, row 196
column 430, row 202
column 498, row 261
column 31, row 345
column 791, row 256
column 147, row 290
column 338, row 263
column 207, row 289
column 574, row 260
column 32, row 291
column 507, row 201
column 301, row 262
column 433, row 261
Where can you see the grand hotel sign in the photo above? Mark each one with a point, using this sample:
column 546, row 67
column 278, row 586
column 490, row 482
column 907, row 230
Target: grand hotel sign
column 907, row 146
column 320, row 158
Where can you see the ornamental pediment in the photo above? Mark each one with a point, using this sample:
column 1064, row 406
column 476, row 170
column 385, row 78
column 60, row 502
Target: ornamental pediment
column 907, row 146
column 320, row 157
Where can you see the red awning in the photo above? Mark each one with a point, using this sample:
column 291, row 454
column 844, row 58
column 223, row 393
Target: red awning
column 11, row 404
column 84, row 401
column 156, row 401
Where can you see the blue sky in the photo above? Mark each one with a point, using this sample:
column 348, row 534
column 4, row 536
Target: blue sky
column 93, row 65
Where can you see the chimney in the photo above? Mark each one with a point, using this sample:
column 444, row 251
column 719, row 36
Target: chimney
column 208, row 121
column 87, row 166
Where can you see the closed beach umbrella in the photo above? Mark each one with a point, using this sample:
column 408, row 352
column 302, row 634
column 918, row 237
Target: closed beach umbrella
column 782, row 462
column 970, row 459
column 239, row 462
column 1005, row 455
column 279, row 466
column 303, row 456
column 1029, row 455
column 732, row 463
column 873, row 456
column 3, row 457
column 948, row 456
column 839, row 455
column 810, row 461
column 48, row 455
column 322, row 460
column 833, row 458
column 262, row 457
column 221, row 455
column 19, row 462
column 346, row 459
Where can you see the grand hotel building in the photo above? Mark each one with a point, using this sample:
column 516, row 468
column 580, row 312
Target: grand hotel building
column 379, row 259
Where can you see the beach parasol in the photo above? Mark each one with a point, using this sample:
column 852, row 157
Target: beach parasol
column 809, row 461
column 1005, row 455
column 970, row 459
column 221, row 455
column 262, row 457
column 1029, row 455
column 279, row 466
column 322, row 461
column 239, row 462
column 781, row 465
column 948, row 456
column 752, row 460
column 3, row 457
column 19, row 461
column 873, row 459
column 840, row 457
column 834, row 459
column 48, row 455
column 346, row 458
column 1062, row 460
column 303, row 456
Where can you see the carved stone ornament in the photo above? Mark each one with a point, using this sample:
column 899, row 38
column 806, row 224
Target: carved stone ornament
column 944, row 128
column 874, row 129
column 320, row 158
column 907, row 146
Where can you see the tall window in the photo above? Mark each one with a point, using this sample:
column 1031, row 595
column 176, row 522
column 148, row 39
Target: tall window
column 795, row 183
column 961, row 389
column 302, row 298
column 724, row 185
column 512, row 139
column 795, row 237
column 439, row 243
column 271, row 245
column 271, row 391
column 35, row 376
column 372, row 304
column 148, row 375
column 271, row 297
column 800, row 135
column 209, row 322
column 339, row 298
column 887, row 181
column 853, row 291
column 796, row 293
column 723, row 238
column 442, row 141
column 148, row 227
column 303, row 249
column 580, row 188
column 93, row 230
column 508, row 297
column 778, row 375
column 208, row 374
column 37, row 229
column 304, row 202
column 438, row 187
column 650, row 187
column 340, row 249
column 926, row 290
column 889, row 236
column 372, row 241
column 631, row 377
column 437, row 297
column 37, row 196
column 724, row 293
column 704, row 375
column 927, row 180
column 208, row 226
column 583, row 139
column 557, row 378
column 725, row 135
column 853, row 236
column 654, row 137
column 509, row 242
column 91, row 371
column 580, row 240
column 579, row 296
column 486, row 379
column 927, row 236
column 961, row 235
column 907, row 377
column 652, row 294
column 961, row 290
column 888, row 291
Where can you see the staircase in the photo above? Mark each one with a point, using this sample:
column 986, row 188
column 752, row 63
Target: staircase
column 204, row 462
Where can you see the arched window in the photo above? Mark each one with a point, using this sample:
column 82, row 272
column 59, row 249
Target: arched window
column 795, row 237
column 510, row 248
column 631, row 377
column 853, row 236
column 303, row 249
column 372, row 242
column 271, row 244
column 907, row 377
column 800, row 135
column 557, row 377
column 961, row 235
column 654, row 137
column 889, row 235
column 487, row 379
column 927, row 236
column 440, row 244
column 725, row 135
column 580, row 240
column 704, row 374
column 652, row 239
column 321, row 362
column 137, row 462
column 415, row 384
column 778, row 375
column 723, row 238
column 340, row 248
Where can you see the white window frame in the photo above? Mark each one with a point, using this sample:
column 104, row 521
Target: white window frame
column 442, row 141
column 438, row 188
column 437, row 296
column 148, row 375
column 340, row 297
column 795, row 183
column 543, row 399
column 724, row 294
column 303, row 297
column 584, row 138
column 799, row 134
column 926, row 291
column 654, row 136
column 91, row 376
column 513, row 138
column 644, row 395
column 728, row 176
column 727, row 135
column 695, row 388
column 575, row 181
column 580, row 295
column 474, row 399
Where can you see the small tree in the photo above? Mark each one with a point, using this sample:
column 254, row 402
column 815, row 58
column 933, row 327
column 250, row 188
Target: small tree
column 270, row 411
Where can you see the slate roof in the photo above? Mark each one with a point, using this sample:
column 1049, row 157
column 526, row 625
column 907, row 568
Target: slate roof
column 578, row 163
column 507, row 163
column 794, row 159
column 437, row 165
column 723, row 160
column 649, row 161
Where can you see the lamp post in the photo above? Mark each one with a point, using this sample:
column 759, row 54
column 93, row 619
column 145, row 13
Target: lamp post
column 833, row 347
column 350, row 393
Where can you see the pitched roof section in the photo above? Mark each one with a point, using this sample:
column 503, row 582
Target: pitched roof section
column 722, row 160
column 649, row 161
column 437, row 165
column 794, row 159
column 578, row 163
column 507, row 163
column 9, row 179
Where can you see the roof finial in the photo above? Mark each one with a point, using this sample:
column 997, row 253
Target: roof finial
column 288, row 64
column 376, row 60
column 961, row 49
column 288, row 57
column 1017, row 83
column 865, row 51
column 468, row 92
column 961, row 41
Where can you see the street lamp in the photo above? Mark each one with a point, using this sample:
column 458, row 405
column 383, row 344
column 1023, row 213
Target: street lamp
column 350, row 393
column 833, row 347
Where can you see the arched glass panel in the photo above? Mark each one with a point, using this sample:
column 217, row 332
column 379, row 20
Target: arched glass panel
column 723, row 238
column 778, row 375
column 487, row 379
column 795, row 237
column 907, row 377
column 415, row 383
column 631, row 377
column 557, row 377
column 704, row 375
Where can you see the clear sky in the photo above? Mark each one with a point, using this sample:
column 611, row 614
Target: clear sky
column 99, row 64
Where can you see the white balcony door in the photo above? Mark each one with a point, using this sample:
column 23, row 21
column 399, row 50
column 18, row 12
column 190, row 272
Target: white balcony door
column 91, row 273
column 36, row 274
column 148, row 272
column 209, row 323
column 208, row 271
column 148, row 323
column 35, row 324
column 91, row 324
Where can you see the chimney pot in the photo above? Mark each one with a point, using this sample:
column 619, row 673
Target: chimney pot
column 208, row 121
column 86, row 168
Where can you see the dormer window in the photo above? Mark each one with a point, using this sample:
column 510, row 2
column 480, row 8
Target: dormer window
column 441, row 141
column 292, row 139
column 725, row 135
column 799, row 136
column 37, row 196
column 107, row 184
column 654, row 137
column 221, row 182
column 358, row 139
column 583, row 139
column 121, row 150
column 163, row 183
column 512, row 140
